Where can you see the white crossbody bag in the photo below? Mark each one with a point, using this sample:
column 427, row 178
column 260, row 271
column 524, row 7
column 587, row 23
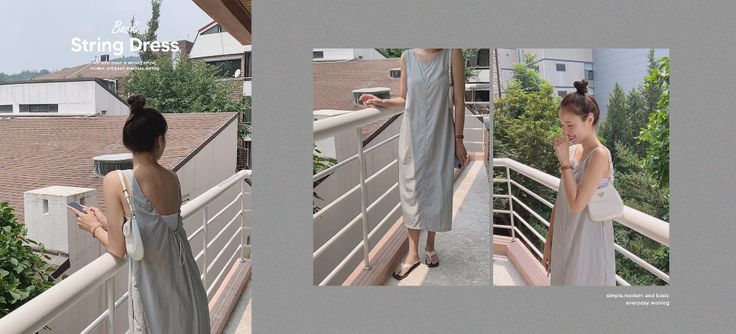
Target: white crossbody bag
column 133, row 241
column 606, row 202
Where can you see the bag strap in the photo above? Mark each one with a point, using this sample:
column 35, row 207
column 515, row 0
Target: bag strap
column 450, row 91
column 127, row 196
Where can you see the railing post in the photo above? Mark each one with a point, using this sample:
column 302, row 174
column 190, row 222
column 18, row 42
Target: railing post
column 204, row 245
column 110, row 305
column 511, row 204
column 363, row 200
column 242, row 220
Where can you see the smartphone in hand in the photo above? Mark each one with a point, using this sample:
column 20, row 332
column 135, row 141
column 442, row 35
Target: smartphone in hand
column 77, row 206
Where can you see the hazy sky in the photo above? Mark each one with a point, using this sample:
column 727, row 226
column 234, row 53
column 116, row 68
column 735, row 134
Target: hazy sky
column 38, row 34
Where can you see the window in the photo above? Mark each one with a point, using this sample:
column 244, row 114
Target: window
column 226, row 68
column 39, row 108
column 589, row 72
column 561, row 93
column 560, row 67
column 214, row 30
column 479, row 59
column 6, row 108
column 318, row 54
column 111, row 84
column 248, row 66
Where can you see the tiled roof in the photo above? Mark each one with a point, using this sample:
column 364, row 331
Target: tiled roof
column 41, row 152
column 334, row 83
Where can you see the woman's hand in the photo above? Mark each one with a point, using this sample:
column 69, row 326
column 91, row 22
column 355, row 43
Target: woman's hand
column 562, row 150
column 460, row 152
column 547, row 258
column 85, row 221
column 98, row 214
column 372, row 100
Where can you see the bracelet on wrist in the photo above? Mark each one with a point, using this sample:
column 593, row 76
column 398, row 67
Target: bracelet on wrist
column 562, row 168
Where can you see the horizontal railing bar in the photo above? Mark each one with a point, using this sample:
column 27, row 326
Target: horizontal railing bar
column 217, row 215
column 384, row 142
column 497, row 180
column 500, row 196
column 224, row 229
column 644, row 264
column 222, row 250
column 351, row 191
column 622, row 281
column 328, row 127
column 534, row 248
column 343, row 230
column 536, row 234
column 332, row 169
column 501, row 211
column 337, row 166
column 502, row 226
column 189, row 208
column 352, row 253
column 531, row 193
column 528, row 209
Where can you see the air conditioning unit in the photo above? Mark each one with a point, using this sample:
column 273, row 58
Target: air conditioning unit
column 110, row 162
column 380, row 92
column 395, row 73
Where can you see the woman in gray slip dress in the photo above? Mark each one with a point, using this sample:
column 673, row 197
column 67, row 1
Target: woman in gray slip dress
column 579, row 251
column 429, row 142
column 166, row 294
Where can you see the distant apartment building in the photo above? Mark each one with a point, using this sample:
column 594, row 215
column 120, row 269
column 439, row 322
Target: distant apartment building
column 60, row 97
column 627, row 67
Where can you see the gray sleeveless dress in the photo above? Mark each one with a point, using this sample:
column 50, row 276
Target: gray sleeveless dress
column 582, row 249
column 166, row 293
column 427, row 145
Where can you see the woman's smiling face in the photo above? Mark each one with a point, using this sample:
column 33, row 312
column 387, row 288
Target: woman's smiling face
column 573, row 127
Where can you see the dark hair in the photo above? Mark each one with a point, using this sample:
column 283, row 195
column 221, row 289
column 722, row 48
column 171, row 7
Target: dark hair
column 143, row 126
column 580, row 103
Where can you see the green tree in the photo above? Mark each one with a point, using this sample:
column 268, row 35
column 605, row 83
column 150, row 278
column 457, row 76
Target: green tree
column 150, row 34
column 23, row 273
column 652, row 92
column 319, row 163
column 391, row 53
column 184, row 86
column 614, row 127
column 656, row 133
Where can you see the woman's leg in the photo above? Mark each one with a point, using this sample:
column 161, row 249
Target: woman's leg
column 430, row 246
column 413, row 255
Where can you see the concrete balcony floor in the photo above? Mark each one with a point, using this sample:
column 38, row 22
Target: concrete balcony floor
column 505, row 273
column 465, row 252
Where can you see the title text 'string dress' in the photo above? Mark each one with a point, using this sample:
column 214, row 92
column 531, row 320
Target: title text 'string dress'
column 427, row 145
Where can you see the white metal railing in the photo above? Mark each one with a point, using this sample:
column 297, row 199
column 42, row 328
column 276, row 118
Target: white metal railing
column 44, row 308
column 651, row 227
column 345, row 121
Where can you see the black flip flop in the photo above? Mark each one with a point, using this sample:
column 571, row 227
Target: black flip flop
column 404, row 265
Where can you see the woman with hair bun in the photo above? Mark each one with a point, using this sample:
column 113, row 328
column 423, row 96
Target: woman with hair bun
column 579, row 251
column 166, row 294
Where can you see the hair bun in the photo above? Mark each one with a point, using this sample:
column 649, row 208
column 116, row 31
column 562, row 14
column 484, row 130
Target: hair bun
column 581, row 86
column 136, row 103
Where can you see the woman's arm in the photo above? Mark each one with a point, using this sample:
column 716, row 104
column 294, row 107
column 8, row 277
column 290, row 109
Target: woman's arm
column 397, row 101
column 458, row 90
column 578, row 195
column 112, row 238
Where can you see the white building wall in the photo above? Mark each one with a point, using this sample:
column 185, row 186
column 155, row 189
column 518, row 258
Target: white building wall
column 212, row 45
column 349, row 54
column 109, row 103
column 82, row 98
